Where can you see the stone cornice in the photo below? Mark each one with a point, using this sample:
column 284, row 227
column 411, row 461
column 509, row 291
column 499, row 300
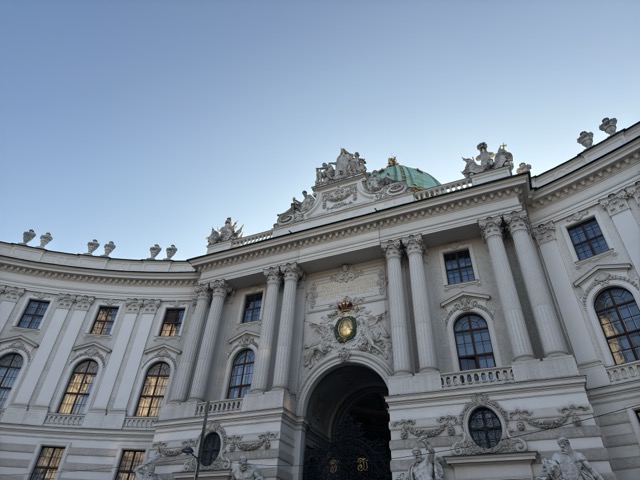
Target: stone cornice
column 404, row 214
column 583, row 178
column 87, row 275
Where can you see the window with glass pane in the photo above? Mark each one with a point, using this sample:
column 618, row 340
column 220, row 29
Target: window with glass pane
column 587, row 239
column 473, row 343
column 172, row 322
column 104, row 320
column 241, row 374
column 458, row 267
column 619, row 317
column 33, row 315
column 155, row 385
column 129, row 461
column 48, row 462
column 485, row 428
column 252, row 305
column 10, row 366
column 210, row 449
column 79, row 388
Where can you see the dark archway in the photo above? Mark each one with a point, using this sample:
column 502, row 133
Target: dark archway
column 348, row 427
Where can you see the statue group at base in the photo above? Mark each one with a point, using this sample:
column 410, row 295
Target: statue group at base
column 428, row 467
column 245, row 471
column 567, row 464
column 147, row 471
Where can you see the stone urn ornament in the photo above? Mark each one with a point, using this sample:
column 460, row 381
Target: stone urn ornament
column 92, row 246
column 28, row 236
column 171, row 251
column 585, row 139
column 108, row 248
column 154, row 251
column 609, row 125
column 44, row 239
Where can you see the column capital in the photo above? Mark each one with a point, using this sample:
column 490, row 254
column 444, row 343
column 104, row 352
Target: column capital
column 392, row 249
column 273, row 275
column 490, row 227
column 202, row 291
column 616, row 202
column 291, row 271
column 517, row 221
column 220, row 288
column 11, row 293
column 545, row 232
column 65, row 301
column 414, row 244
column 634, row 191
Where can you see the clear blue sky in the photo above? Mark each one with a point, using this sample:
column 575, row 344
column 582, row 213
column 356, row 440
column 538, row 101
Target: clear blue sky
column 149, row 122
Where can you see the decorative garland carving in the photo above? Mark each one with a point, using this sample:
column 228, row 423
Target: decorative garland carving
column 568, row 413
column 447, row 422
column 264, row 440
column 603, row 278
column 244, row 341
column 91, row 352
column 576, row 217
column 162, row 354
column 339, row 195
column 15, row 347
column 220, row 463
column 466, row 303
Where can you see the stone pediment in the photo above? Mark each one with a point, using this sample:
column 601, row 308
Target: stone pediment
column 92, row 349
column 465, row 302
column 18, row 343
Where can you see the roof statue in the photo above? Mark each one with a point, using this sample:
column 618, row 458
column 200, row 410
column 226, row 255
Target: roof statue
column 227, row 232
column 487, row 160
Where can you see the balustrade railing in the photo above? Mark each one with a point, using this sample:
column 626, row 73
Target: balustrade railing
column 477, row 377
column 64, row 419
column 258, row 237
column 442, row 189
column 223, row 406
column 140, row 422
column 624, row 373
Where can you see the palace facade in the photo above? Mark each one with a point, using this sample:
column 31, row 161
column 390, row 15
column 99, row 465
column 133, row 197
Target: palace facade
column 489, row 316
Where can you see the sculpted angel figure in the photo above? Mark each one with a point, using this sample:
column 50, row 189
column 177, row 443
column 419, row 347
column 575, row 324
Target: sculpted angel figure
column 321, row 345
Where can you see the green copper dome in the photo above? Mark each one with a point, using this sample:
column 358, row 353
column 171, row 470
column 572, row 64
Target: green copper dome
column 413, row 177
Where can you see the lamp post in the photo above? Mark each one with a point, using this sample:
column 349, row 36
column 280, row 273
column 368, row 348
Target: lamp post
column 189, row 450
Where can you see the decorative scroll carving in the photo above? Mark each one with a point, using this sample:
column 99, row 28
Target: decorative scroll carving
column 576, row 217
column 447, row 422
column 264, row 440
column 604, row 278
column 616, row 202
column 465, row 303
column 83, row 302
column 17, row 346
column 545, row 232
column 242, row 342
column 346, row 274
column 91, row 352
column 568, row 413
column 12, row 294
column 133, row 305
column 339, row 197
column 150, row 305
column 220, row 463
column 65, row 301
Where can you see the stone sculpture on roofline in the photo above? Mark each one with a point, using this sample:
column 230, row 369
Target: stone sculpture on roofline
column 487, row 160
column 227, row 232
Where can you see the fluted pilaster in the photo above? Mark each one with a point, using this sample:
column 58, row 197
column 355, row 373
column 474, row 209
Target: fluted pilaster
column 514, row 318
column 415, row 249
column 263, row 358
column 219, row 291
column 399, row 334
column 540, row 299
column 292, row 272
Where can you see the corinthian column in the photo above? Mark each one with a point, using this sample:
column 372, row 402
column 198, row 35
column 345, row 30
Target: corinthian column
column 219, row 291
column 292, row 272
column 267, row 331
column 190, row 351
column 536, row 284
column 514, row 319
column 399, row 335
column 424, row 330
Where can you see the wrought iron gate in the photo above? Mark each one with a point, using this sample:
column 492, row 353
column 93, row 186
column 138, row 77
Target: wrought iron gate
column 349, row 456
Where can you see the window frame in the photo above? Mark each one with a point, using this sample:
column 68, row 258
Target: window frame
column 36, row 474
column 152, row 406
column 129, row 474
column 569, row 238
column 106, row 326
column 245, row 309
column 84, row 396
column 242, row 388
column 484, row 430
column 490, row 334
column 4, row 398
column 458, row 269
column 177, row 326
column 627, row 333
column 34, row 315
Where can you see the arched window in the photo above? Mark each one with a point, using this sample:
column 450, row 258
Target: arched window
column 473, row 343
column 485, row 428
column 10, row 366
column 79, row 388
column 620, row 319
column 210, row 449
column 241, row 374
column 155, row 385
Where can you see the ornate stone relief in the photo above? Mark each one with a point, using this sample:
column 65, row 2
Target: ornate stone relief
column 132, row 305
column 634, row 191
column 264, row 441
column 228, row 231
column 161, row 353
column 464, row 302
column 93, row 351
column 244, row 341
column 65, row 301
column 576, row 217
column 19, row 345
column 446, row 422
column 545, row 232
column 616, row 202
column 150, row 305
column 568, row 413
column 352, row 281
column 346, row 274
column 349, row 328
column 83, row 302
column 488, row 161
column 604, row 278
column 12, row 294
column 339, row 197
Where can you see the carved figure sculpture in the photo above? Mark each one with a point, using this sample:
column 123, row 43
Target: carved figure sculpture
column 147, row 470
column 488, row 160
column 228, row 231
column 244, row 470
column 523, row 168
column 567, row 464
column 321, row 345
column 424, row 468
column 325, row 173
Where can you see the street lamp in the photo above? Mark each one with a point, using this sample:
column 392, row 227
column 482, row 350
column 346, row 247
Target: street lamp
column 189, row 451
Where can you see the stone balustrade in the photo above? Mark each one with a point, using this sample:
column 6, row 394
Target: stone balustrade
column 64, row 419
column 477, row 377
column 258, row 237
column 223, row 406
column 140, row 423
column 443, row 189
column 624, row 373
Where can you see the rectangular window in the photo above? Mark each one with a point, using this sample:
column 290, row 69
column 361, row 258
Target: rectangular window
column 129, row 461
column 172, row 322
column 32, row 316
column 587, row 239
column 48, row 462
column 458, row 267
column 252, row 306
column 104, row 320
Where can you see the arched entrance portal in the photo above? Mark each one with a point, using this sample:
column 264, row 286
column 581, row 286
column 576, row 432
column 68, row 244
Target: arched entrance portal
column 348, row 427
